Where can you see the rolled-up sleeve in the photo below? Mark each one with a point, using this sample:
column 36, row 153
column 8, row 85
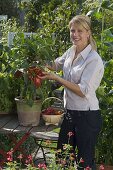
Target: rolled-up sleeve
column 59, row 62
column 91, row 77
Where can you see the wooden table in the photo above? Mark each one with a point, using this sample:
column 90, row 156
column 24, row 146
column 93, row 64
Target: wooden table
column 9, row 125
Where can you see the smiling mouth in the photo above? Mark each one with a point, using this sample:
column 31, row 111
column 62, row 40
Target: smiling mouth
column 75, row 39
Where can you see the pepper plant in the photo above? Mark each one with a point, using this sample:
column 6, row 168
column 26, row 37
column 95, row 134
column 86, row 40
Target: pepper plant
column 29, row 55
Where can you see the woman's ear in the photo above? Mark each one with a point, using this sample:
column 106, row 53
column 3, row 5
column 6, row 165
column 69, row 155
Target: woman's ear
column 88, row 35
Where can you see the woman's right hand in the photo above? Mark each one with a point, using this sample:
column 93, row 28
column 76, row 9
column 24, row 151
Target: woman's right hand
column 49, row 76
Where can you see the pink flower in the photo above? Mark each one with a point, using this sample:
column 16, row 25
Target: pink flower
column 42, row 166
column 27, row 161
column 81, row 160
column 87, row 168
column 30, row 157
column 9, row 159
column 101, row 167
column 20, row 156
column 10, row 156
column 10, row 153
column 70, row 134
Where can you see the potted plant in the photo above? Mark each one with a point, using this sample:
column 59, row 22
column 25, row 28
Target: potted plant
column 29, row 55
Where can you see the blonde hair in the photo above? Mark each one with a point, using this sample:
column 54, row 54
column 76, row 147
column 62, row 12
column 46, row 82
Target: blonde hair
column 85, row 22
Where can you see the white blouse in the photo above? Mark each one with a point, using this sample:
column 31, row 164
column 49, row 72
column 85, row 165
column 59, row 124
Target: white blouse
column 87, row 71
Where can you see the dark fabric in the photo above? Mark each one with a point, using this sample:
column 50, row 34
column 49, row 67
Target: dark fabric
column 85, row 127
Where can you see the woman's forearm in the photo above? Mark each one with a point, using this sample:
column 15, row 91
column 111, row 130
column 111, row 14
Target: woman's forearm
column 71, row 86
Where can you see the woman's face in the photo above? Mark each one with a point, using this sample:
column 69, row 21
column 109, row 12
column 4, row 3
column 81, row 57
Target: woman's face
column 79, row 35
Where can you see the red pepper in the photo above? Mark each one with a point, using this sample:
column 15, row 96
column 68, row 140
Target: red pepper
column 37, row 81
column 40, row 73
column 49, row 111
column 35, row 71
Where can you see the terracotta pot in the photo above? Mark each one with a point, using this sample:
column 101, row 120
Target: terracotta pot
column 28, row 115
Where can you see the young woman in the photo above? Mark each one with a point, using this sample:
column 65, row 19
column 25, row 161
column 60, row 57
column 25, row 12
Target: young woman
column 82, row 73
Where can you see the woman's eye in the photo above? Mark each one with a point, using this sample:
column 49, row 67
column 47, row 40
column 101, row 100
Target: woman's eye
column 72, row 31
column 79, row 30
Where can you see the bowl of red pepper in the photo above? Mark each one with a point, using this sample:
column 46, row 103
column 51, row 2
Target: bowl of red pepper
column 52, row 115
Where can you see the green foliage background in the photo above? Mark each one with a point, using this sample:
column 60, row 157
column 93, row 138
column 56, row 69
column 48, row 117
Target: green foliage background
column 51, row 18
